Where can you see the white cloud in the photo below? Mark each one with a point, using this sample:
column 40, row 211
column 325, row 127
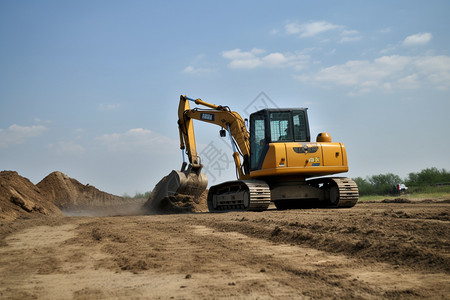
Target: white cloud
column 418, row 39
column 108, row 106
column 67, row 148
column 409, row 81
column 435, row 69
column 39, row 121
column 349, row 36
column 292, row 28
column 275, row 59
column 347, row 39
column 245, row 63
column 386, row 73
column 245, row 59
column 255, row 58
column 310, row 29
column 194, row 70
column 313, row 29
column 16, row 134
column 189, row 69
column 137, row 139
column 389, row 48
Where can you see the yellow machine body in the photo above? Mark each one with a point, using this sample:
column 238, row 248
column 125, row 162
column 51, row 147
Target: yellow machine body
column 275, row 161
column 303, row 159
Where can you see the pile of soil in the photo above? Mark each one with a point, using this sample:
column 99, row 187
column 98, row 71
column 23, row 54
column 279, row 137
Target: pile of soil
column 20, row 198
column 180, row 203
column 58, row 195
column 67, row 192
column 161, row 200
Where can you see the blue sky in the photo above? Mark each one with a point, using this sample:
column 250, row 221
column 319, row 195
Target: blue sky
column 91, row 88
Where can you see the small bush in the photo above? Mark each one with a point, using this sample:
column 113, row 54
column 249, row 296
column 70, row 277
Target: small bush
column 381, row 184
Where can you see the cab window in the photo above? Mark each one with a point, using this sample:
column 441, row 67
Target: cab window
column 280, row 127
column 300, row 129
column 258, row 141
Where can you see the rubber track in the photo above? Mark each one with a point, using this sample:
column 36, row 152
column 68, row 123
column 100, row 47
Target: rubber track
column 348, row 191
column 259, row 196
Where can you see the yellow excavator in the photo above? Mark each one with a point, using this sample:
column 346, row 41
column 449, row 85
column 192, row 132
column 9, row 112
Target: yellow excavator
column 275, row 162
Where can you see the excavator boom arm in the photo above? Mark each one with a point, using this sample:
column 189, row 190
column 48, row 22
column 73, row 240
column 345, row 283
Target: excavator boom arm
column 221, row 116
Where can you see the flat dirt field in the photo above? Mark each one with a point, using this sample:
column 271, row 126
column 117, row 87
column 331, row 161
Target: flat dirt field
column 371, row 251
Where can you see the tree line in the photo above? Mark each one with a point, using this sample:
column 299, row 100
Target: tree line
column 383, row 184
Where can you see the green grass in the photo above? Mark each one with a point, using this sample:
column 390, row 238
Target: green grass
column 415, row 193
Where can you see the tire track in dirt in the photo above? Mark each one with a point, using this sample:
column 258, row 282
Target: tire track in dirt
column 370, row 251
column 51, row 262
column 335, row 274
column 413, row 235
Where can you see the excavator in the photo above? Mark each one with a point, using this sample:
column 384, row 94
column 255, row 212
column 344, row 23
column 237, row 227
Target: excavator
column 276, row 161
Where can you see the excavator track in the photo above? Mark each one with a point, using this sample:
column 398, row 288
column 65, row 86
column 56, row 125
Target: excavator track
column 339, row 191
column 239, row 195
column 348, row 192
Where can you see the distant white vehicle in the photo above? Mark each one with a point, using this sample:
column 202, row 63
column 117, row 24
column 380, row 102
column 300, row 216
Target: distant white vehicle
column 401, row 188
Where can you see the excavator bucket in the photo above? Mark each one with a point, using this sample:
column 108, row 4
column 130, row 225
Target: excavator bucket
column 189, row 182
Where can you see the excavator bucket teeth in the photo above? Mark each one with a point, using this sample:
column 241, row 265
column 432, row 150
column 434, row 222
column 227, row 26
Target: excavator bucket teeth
column 187, row 183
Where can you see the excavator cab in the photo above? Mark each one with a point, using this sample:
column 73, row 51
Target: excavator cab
column 275, row 126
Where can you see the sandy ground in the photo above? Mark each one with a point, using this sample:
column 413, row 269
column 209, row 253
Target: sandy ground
column 371, row 251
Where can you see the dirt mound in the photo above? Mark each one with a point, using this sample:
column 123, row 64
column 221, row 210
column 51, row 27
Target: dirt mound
column 396, row 200
column 162, row 199
column 57, row 195
column 66, row 192
column 178, row 203
column 19, row 197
